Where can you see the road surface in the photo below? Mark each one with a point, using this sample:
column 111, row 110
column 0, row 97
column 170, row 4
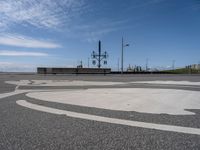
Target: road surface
column 99, row 112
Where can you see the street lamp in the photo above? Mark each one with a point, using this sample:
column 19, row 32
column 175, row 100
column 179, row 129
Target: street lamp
column 122, row 59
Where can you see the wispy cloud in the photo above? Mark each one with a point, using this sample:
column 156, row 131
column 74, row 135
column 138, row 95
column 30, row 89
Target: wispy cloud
column 39, row 13
column 16, row 67
column 56, row 14
column 23, row 41
column 91, row 32
column 145, row 3
column 19, row 53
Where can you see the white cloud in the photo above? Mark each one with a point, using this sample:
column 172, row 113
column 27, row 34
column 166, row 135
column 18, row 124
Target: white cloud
column 39, row 13
column 56, row 14
column 16, row 67
column 23, row 41
column 18, row 53
column 92, row 32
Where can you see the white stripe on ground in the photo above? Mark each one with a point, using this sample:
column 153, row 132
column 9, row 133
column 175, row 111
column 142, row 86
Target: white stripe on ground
column 169, row 82
column 167, row 85
column 161, row 127
column 4, row 95
column 61, row 83
column 16, row 92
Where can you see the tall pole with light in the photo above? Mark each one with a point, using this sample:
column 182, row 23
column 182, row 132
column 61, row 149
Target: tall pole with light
column 122, row 55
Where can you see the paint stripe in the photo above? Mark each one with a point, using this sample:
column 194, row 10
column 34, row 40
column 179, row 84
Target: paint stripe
column 4, row 95
column 51, row 83
column 167, row 85
column 162, row 127
column 184, row 83
column 16, row 92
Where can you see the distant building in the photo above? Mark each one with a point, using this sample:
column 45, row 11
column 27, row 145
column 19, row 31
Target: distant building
column 134, row 69
column 193, row 66
column 77, row 70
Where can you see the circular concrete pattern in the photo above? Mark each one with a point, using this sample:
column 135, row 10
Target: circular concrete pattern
column 155, row 101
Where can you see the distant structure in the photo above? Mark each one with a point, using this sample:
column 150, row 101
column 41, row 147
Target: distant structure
column 41, row 70
column 147, row 63
column 99, row 57
column 193, row 66
column 81, row 64
column 134, row 69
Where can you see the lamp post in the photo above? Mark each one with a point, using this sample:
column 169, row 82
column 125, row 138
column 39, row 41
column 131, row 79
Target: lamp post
column 122, row 59
column 173, row 64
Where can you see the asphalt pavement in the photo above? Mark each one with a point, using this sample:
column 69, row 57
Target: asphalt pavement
column 23, row 128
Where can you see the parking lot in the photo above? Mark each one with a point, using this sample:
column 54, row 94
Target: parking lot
column 99, row 112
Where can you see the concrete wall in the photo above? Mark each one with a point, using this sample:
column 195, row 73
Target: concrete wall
column 73, row 70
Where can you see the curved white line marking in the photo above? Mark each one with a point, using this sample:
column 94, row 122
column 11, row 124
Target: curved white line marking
column 16, row 92
column 4, row 95
column 161, row 127
column 169, row 83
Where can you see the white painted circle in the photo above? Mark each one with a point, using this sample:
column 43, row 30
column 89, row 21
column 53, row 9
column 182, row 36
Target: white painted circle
column 156, row 101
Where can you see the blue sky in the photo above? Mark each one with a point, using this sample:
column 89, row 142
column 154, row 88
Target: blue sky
column 60, row 33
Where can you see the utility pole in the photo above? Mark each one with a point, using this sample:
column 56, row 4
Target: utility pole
column 199, row 66
column 122, row 55
column 118, row 64
column 122, row 58
column 173, row 64
column 99, row 56
column 147, row 61
column 99, row 60
column 88, row 62
column 81, row 63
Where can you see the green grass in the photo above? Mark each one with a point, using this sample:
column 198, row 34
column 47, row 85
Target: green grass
column 183, row 71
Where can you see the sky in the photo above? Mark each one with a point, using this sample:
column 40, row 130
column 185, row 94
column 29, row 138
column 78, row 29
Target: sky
column 61, row 33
